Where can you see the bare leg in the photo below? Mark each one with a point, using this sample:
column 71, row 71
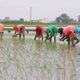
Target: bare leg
column 63, row 38
column 54, row 39
column 1, row 35
column 76, row 43
column 23, row 35
column 42, row 38
column 68, row 40
column 14, row 35
column 50, row 38
column 20, row 35
column 35, row 37
column 47, row 36
column 72, row 41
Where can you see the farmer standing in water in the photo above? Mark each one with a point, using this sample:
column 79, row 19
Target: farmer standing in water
column 39, row 32
column 51, row 32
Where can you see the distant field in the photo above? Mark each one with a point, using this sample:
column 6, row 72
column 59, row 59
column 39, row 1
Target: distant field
column 33, row 24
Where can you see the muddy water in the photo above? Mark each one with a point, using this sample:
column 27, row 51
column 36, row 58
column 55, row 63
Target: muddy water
column 36, row 60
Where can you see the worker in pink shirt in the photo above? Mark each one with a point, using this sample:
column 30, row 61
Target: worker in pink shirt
column 21, row 31
column 68, row 33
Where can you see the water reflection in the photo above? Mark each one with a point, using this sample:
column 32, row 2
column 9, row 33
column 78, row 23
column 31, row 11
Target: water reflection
column 70, row 72
column 37, row 60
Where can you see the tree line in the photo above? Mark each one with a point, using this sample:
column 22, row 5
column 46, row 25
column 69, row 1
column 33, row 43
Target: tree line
column 64, row 18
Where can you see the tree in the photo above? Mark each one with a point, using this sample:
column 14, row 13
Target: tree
column 7, row 19
column 64, row 18
column 21, row 19
column 72, row 20
column 58, row 19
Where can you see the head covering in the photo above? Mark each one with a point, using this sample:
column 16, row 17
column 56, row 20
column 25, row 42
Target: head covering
column 60, row 30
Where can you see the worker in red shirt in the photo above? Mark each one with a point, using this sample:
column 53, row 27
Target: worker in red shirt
column 39, row 32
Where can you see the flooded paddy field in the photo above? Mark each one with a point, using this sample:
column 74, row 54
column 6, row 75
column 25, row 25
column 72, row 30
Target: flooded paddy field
column 36, row 60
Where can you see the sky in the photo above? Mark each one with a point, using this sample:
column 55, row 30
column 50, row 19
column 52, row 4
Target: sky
column 41, row 9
